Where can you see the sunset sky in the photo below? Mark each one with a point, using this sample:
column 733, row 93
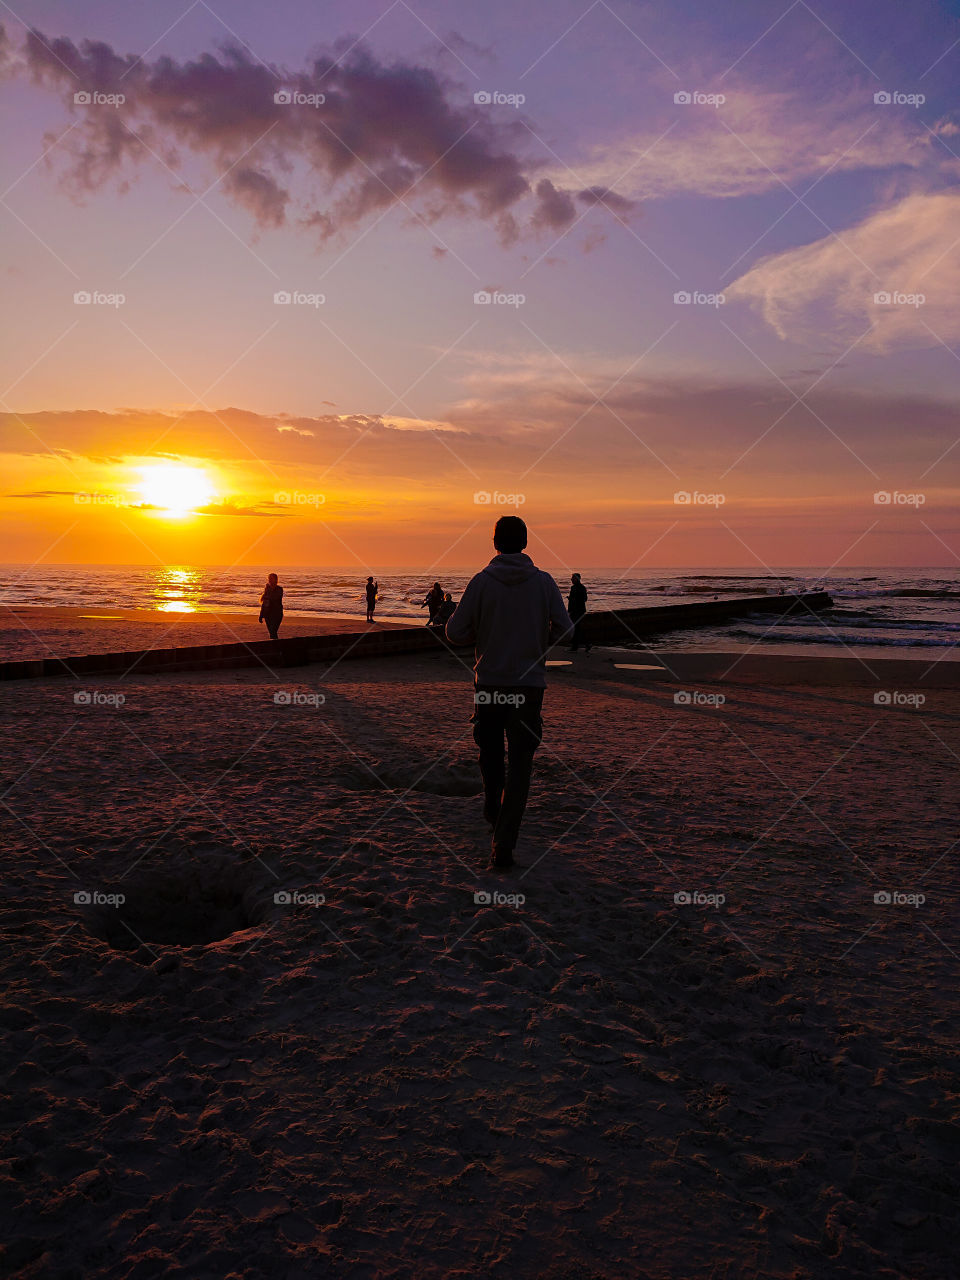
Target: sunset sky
column 788, row 167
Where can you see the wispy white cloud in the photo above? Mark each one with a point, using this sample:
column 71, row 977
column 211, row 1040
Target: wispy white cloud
column 756, row 141
column 829, row 289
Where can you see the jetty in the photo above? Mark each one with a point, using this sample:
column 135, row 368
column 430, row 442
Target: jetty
column 599, row 627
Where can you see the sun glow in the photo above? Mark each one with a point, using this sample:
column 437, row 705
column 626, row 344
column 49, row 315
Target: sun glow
column 173, row 489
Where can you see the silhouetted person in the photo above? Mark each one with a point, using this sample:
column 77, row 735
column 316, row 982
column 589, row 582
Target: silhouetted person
column 508, row 612
column 577, row 609
column 433, row 602
column 271, row 605
column 444, row 612
column 371, row 590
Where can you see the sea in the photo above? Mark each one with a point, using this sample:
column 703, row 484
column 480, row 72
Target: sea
column 875, row 610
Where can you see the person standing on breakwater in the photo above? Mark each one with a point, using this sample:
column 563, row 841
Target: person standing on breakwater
column 371, row 590
column 577, row 609
column 510, row 612
column 433, row 602
column 271, row 605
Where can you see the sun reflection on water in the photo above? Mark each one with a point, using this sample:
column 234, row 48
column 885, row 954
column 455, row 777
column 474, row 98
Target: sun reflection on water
column 176, row 589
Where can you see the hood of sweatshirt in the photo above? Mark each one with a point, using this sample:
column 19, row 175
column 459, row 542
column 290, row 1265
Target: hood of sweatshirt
column 512, row 569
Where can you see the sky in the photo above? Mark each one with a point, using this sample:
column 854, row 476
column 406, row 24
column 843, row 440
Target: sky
column 339, row 285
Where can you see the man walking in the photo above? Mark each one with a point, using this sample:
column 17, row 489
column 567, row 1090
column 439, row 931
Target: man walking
column 510, row 612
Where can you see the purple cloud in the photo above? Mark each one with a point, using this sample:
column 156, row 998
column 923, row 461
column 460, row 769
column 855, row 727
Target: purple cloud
column 359, row 134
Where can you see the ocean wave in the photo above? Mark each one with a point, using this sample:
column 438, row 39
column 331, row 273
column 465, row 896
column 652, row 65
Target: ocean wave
column 832, row 637
column 736, row 577
column 906, row 592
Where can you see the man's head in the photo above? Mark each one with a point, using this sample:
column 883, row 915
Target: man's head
column 509, row 535
column 574, row 577
column 272, row 579
column 370, row 579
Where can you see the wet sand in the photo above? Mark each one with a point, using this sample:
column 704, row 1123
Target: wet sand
column 35, row 631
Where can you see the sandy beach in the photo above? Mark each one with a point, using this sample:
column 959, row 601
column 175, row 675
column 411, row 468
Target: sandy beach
column 39, row 631
column 390, row 1071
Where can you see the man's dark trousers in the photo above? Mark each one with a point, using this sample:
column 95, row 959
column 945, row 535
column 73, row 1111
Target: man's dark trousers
column 514, row 711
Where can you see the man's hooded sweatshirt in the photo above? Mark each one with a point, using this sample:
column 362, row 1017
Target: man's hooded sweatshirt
column 506, row 612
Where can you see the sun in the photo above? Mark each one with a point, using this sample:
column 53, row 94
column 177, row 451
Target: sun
column 174, row 489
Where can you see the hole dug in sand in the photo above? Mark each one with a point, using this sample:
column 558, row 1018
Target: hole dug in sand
column 189, row 904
